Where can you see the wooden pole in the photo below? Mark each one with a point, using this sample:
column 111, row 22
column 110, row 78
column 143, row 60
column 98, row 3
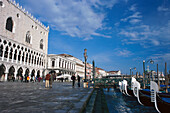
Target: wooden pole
column 166, row 78
column 158, row 78
column 144, row 74
column 143, row 81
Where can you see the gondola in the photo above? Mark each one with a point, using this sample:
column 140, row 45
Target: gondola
column 145, row 98
column 130, row 92
column 161, row 100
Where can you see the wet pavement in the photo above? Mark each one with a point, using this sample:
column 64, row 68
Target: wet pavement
column 17, row 97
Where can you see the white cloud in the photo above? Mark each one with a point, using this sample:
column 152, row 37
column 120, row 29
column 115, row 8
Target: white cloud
column 136, row 15
column 97, row 34
column 123, row 52
column 161, row 58
column 133, row 8
column 134, row 21
column 144, row 35
column 77, row 18
column 129, row 34
column 117, row 24
column 161, row 8
column 105, row 57
column 155, row 42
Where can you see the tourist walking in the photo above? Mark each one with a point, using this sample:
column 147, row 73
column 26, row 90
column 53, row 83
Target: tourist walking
column 21, row 78
column 51, row 80
column 73, row 79
column 28, row 78
column 78, row 78
column 13, row 78
column 47, row 78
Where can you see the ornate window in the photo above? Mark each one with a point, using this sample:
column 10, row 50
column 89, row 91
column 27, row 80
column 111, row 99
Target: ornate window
column 41, row 44
column 9, row 24
column 28, row 37
column 53, row 63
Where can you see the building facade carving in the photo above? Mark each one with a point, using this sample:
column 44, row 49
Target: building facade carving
column 23, row 43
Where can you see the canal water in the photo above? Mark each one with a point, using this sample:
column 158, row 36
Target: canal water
column 120, row 103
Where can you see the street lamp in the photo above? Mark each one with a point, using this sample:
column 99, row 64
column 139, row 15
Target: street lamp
column 131, row 70
column 85, row 57
column 151, row 61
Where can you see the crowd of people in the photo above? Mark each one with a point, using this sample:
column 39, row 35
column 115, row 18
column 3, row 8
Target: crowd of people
column 49, row 78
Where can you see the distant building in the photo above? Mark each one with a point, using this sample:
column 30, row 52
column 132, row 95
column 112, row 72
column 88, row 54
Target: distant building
column 100, row 73
column 65, row 64
column 23, row 43
column 89, row 69
column 114, row 72
column 60, row 64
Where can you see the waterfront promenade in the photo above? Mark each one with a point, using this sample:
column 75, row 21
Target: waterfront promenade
column 17, row 97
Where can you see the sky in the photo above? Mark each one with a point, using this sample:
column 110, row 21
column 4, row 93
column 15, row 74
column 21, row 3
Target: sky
column 118, row 34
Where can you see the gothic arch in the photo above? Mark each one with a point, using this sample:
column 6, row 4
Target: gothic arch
column 2, row 72
column 27, row 71
column 38, row 73
column 11, row 73
column 33, row 73
column 19, row 72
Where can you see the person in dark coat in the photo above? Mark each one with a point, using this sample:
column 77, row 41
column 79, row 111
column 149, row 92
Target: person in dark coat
column 51, row 80
column 73, row 78
column 78, row 78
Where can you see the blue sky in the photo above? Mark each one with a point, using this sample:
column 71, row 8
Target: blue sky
column 118, row 34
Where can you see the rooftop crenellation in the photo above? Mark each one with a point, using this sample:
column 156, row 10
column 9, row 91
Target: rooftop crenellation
column 28, row 14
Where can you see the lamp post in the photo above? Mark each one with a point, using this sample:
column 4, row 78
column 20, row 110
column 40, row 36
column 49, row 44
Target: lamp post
column 85, row 57
column 151, row 61
column 131, row 71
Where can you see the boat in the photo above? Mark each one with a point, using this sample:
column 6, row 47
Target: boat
column 129, row 90
column 161, row 100
column 143, row 95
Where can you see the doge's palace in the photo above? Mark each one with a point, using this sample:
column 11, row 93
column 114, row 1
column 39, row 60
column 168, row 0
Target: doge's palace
column 23, row 43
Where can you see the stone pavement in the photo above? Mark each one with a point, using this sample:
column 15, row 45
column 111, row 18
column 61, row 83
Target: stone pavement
column 17, row 97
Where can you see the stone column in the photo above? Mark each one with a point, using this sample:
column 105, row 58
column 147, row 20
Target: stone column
column 24, row 57
column 15, row 74
column 38, row 61
column 13, row 55
column 8, row 55
column 21, row 57
column 6, row 74
column 3, row 53
column 34, row 61
column 31, row 59
column 17, row 57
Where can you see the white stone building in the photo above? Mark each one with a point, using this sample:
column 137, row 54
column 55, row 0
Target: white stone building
column 80, row 67
column 23, row 42
column 114, row 72
column 65, row 64
column 60, row 64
